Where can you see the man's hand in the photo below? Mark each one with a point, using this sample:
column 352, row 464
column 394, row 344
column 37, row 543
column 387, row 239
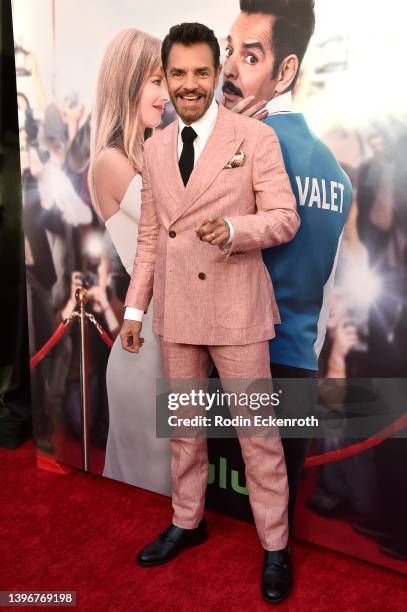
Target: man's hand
column 345, row 338
column 130, row 336
column 36, row 165
column 99, row 294
column 71, row 114
column 76, row 282
column 214, row 231
column 249, row 107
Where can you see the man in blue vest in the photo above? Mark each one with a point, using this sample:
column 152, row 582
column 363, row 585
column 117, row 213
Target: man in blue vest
column 265, row 48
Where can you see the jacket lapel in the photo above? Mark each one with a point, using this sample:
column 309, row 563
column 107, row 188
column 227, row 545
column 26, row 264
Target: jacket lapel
column 219, row 149
column 168, row 164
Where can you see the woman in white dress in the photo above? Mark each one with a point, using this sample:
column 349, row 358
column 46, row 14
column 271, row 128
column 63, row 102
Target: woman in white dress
column 130, row 100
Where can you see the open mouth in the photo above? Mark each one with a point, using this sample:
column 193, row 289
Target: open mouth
column 230, row 96
column 190, row 98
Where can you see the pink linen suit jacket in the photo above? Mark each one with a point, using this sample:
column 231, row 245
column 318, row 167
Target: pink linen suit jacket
column 202, row 295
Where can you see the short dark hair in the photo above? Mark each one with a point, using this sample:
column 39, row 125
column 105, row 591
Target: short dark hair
column 190, row 34
column 293, row 27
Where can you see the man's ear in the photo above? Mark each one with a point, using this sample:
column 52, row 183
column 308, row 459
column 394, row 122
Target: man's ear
column 286, row 73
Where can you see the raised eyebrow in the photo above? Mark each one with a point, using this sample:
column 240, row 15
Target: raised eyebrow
column 251, row 45
column 254, row 45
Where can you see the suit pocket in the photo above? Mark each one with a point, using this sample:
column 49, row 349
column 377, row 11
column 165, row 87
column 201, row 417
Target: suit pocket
column 240, row 295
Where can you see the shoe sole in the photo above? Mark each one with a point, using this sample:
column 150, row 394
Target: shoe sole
column 280, row 599
column 146, row 564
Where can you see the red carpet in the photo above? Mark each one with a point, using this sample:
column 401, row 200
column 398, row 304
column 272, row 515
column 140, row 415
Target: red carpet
column 81, row 532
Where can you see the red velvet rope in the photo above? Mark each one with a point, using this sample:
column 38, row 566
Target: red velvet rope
column 58, row 335
column 359, row 447
column 49, row 345
column 106, row 338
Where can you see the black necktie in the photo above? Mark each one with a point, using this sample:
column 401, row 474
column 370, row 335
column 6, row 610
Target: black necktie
column 186, row 161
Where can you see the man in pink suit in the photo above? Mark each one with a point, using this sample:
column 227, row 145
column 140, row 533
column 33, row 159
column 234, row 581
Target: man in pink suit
column 215, row 192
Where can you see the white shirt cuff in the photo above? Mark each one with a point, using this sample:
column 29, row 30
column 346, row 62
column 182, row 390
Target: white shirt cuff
column 134, row 314
column 223, row 247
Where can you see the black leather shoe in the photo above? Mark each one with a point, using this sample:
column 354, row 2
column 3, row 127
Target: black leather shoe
column 171, row 542
column 277, row 578
column 326, row 504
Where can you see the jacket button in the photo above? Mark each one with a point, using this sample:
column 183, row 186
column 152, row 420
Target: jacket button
column 202, row 275
column 172, row 234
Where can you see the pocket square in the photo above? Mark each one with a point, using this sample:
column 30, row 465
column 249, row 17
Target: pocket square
column 237, row 160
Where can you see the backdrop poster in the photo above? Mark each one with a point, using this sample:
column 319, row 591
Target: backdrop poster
column 353, row 97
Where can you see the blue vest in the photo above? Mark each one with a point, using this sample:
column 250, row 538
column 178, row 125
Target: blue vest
column 303, row 270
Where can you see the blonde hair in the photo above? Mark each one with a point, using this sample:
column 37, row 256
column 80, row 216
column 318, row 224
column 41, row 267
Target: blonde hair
column 128, row 61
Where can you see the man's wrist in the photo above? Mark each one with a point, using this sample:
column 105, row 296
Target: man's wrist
column 224, row 246
column 231, row 232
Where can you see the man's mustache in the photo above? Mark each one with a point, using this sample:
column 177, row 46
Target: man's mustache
column 228, row 87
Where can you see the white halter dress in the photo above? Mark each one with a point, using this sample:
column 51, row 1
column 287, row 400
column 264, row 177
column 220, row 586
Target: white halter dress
column 133, row 453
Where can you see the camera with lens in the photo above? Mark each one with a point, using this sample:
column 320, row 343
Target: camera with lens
column 89, row 279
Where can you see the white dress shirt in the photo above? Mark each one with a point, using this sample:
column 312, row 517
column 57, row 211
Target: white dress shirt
column 203, row 128
column 281, row 104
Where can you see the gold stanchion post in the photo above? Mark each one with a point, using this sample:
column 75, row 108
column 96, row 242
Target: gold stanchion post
column 81, row 296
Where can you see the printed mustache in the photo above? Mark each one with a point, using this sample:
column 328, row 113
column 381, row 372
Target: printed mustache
column 228, row 87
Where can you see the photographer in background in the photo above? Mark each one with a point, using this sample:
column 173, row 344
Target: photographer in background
column 347, row 487
column 52, row 212
column 382, row 226
column 40, row 276
column 108, row 310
